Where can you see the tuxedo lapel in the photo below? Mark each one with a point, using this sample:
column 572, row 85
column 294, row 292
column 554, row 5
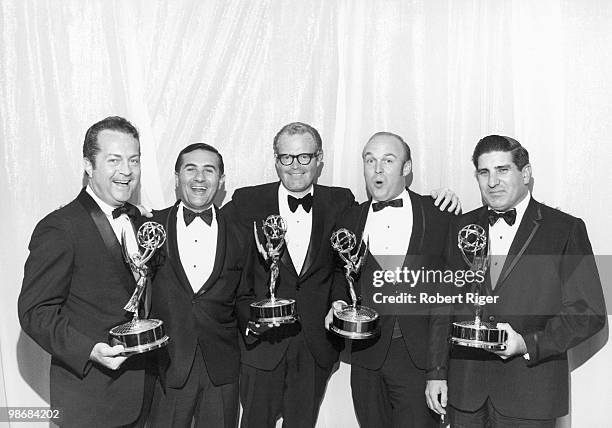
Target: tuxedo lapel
column 527, row 229
column 219, row 255
column 172, row 249
column 318, row 221
column 418, row 226
column 108, row 237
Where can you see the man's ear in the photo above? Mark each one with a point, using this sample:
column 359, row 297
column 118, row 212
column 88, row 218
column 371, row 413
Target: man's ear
column 88, row 167
column 221, row 181
column 526, row 173
column 407, row 168
column 320, row 155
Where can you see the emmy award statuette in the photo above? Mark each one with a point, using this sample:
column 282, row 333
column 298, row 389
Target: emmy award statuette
column 472, row 242
column 352, row 321
column 140, row 334
column 274, row 310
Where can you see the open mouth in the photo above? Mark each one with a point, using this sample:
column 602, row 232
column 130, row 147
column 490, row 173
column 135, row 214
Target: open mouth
column 122, row 183
column 199, row 189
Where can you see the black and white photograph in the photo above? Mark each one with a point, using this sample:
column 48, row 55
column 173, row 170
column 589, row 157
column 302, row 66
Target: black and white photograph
column 305, row 213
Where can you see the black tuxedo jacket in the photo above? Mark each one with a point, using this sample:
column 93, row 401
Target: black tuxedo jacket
column 550, row 292
column 425, row 250
column 208, row 317
column 311, row 288
column 74, row 288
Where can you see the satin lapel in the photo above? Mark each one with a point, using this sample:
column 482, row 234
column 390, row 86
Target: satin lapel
column 270, row 206
column 219, row 255
column 172, row 250
column 361, row 222
column 527, row 229
column 318, row 220
column 417, row 236
column 108, row 237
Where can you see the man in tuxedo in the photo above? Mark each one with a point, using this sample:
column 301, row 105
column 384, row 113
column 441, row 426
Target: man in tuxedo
column 549, row 299
column 76, row 285
column 403, row 230
column 196, row 293
column 285, row 369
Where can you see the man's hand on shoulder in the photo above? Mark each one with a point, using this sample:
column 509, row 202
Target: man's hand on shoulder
column 447, row 200
column 107, row 356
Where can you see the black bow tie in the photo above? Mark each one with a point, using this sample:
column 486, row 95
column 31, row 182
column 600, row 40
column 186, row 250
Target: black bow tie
column 205, row 215
column 509, row 216
column 128, row 209
column 305, row 202
column 395, row 203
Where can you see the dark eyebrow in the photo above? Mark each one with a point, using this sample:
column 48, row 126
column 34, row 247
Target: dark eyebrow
column 206, row 165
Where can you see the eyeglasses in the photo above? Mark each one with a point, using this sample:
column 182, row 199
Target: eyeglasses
column 302, row 158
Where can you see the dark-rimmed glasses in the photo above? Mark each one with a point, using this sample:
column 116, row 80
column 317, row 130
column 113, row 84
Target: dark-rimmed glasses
column 302, row 158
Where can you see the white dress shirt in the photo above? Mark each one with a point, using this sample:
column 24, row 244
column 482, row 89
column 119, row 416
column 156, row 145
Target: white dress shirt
column 197, row 247
column 299, row 225
column 501, row 235
column 121, row 225
column 389, row 231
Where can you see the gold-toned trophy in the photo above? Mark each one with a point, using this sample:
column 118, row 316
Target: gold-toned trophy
column 274, row 310
column 472, row 242
column 140, row 334
column 352, row 321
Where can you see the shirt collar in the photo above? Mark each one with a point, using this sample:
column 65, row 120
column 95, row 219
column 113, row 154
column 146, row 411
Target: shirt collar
column 181, row 206
column 521, row 207
column 404, row 196
column 106, row 208
column 283, row 192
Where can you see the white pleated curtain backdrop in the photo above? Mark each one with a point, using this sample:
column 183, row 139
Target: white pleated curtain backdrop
column 231, row 73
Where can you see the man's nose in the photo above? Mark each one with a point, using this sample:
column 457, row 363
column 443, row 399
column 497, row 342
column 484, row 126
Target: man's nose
column 493, row 180
column 378, row 167
column 124, row 167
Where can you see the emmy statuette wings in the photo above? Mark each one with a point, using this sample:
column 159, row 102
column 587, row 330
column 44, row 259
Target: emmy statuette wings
column 472, row 242
column 352, row 321
column 141, row 334
column 275, row 310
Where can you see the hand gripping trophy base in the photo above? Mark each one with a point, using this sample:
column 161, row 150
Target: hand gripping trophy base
column 357, row 322
column 472, row 242
column 141, row 335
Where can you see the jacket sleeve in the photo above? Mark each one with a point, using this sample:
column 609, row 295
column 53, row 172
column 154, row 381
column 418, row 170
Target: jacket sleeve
column 583, row 312
column 46, row 285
